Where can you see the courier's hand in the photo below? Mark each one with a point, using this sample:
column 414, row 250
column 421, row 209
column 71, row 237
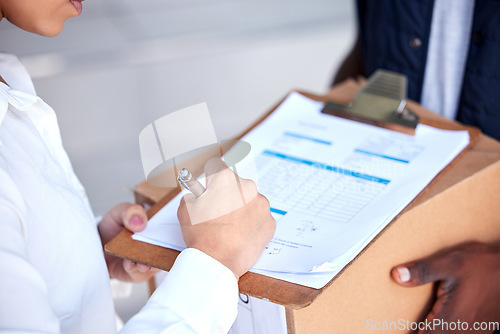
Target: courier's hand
column 468, row 285
column 133, row 217
column 231, row 221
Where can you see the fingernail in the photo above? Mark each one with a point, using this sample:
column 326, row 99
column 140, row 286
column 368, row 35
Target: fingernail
column 136, row 221
column 404, row 274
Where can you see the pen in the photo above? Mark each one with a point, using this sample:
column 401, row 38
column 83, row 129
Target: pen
column 188, row 181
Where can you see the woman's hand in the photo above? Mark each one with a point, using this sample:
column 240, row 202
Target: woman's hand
column 231, row 221
column 133, row 217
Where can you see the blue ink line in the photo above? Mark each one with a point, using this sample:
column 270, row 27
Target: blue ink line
column 280, row 212
column 381, row 156
column 329, row 168
column 316, row 140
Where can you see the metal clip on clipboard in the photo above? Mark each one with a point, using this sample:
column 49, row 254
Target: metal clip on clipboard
column 381, row 102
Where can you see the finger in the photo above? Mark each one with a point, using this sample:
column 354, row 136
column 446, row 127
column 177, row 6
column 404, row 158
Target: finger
column 438, row 267
column 128, row 265
column 142, row 267
column 249, row 190
column 134, row 218
column 116, row 213
column 131, row 266
column 182, row 211
column 446, row 306
column 213, row 167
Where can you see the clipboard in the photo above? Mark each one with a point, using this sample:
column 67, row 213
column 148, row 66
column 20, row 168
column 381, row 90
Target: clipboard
column 291, row 295
column 382, row 102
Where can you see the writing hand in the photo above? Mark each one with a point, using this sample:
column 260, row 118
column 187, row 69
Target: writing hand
column 231, row 221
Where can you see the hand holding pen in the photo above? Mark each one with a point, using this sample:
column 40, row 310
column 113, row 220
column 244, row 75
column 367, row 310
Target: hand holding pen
column 231, row 222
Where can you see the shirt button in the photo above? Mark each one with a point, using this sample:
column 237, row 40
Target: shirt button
column 415, row 42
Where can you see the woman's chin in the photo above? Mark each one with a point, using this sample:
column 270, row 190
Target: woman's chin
column 50, row 30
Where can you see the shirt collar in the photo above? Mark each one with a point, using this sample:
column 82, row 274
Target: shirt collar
column 20, row 93
column 15, row 74
column 19, row 100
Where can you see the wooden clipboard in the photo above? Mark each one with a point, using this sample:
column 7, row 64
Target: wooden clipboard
column 291, row 295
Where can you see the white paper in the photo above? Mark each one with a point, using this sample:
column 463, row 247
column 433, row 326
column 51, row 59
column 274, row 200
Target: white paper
column 332, row 183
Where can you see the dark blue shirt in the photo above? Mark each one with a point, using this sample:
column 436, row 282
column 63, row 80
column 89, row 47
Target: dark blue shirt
column 395, row 36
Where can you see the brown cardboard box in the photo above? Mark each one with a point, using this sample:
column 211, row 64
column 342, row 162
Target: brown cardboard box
column 468, row 211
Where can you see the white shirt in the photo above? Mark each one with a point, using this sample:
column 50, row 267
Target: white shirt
column 446, row 55
column 53, row 276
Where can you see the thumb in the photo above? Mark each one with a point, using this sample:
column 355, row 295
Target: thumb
column 134, row 217
column 438, row 267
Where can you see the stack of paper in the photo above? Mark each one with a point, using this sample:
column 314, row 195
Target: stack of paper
column 333, row 184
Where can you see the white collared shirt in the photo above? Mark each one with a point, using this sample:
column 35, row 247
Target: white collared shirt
column 53, row 277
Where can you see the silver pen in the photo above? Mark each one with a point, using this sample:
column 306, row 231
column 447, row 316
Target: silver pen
column 188, row 181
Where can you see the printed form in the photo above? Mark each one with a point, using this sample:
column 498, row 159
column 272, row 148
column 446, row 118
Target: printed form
column 333, row 185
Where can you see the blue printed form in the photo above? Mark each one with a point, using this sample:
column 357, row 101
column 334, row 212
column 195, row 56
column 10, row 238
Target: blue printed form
column 333, row 185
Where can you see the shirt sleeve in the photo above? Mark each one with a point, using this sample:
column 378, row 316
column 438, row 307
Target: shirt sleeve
column 199, row 295
column 24, row 306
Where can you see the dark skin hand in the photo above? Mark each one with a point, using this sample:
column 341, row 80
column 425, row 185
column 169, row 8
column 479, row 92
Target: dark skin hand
column 468, row 285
